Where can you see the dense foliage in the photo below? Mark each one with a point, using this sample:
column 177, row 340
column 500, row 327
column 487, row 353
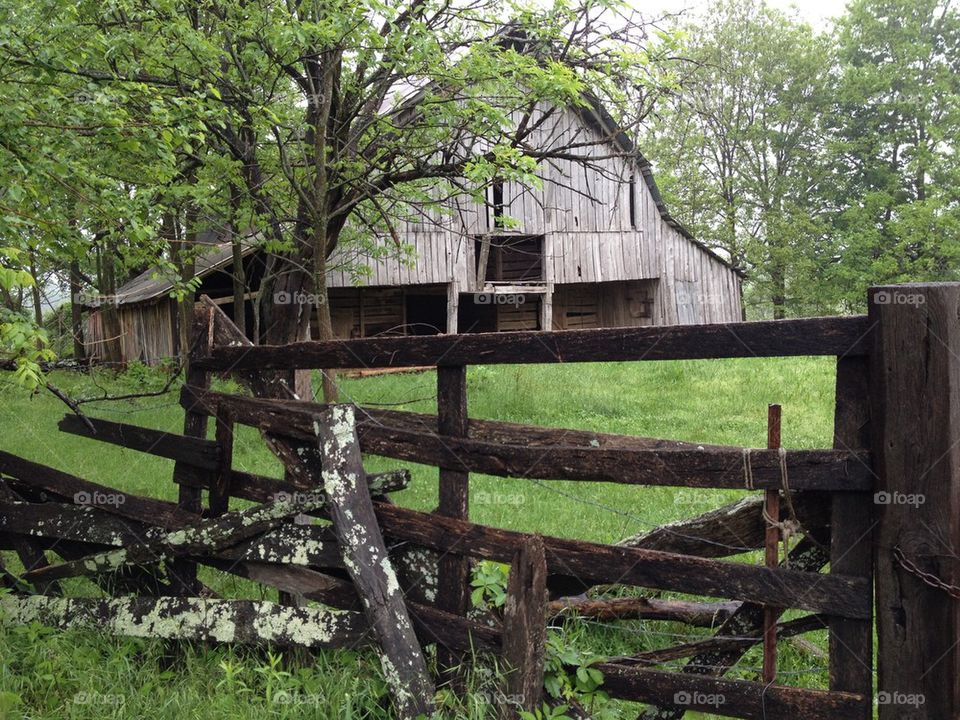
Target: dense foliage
column 821, row 162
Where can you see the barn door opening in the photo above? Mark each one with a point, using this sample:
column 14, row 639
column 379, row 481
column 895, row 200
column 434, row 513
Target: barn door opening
column 510, row 259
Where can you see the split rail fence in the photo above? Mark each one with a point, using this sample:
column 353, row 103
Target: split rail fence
column 399, row 579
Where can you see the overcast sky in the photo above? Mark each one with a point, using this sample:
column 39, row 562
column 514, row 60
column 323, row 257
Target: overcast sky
column 815, row 12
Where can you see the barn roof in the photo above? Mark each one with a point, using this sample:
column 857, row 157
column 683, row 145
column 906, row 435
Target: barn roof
column 598, row 117
column 150, row 285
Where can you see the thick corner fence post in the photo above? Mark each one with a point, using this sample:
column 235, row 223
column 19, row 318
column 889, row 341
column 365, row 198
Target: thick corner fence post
column 366, row 560
column 915, row 386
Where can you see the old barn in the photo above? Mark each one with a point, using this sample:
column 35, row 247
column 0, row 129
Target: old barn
column 593, row 246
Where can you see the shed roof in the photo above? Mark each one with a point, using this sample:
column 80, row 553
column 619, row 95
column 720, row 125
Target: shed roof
column 150, row 285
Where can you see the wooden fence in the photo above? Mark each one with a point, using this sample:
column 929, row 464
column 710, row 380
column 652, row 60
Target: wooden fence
column 878, row 509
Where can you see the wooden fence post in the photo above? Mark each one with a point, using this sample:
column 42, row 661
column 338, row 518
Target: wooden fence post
column 454, row 570
column 525, row 628
column 851, row 531
column 184, row 572
column 915, row 386
column 366, row 560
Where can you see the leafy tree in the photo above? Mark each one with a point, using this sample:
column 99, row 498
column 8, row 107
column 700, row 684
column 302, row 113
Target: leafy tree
column 738, row 148
column 895, row 165
column 319, row 123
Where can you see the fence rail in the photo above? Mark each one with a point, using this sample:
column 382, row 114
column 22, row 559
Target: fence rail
column 895, row 421
column 838, row 336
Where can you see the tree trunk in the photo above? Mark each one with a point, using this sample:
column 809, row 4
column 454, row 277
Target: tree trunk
column 181, row 241
column 109, row 310
column 778, row 295
column 324, row 322
column 76, row 311
column 35, row 291
column 239, row 274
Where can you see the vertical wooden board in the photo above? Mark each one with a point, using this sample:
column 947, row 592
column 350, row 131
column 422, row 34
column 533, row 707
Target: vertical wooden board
column 28, row 550
column 851, row 548
column 915, row 421
column 524, row 627
column 368, row 564
column 183, row 572
column 220, row 490
column 454, row 497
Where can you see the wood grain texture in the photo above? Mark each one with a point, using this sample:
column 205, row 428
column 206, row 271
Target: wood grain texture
column 454, row 500
column 233, row 621
column 366, row 559
column 524, row 627
column 595, row 564
column 403, row 436
column 915, row 423
column 733, row 698
column 851, row 542
column 194, row 451
column 770, row 338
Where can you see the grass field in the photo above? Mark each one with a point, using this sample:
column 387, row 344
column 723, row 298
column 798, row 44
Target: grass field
column 84, row 675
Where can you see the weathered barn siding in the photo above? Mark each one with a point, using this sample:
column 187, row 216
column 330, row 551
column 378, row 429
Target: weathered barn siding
column 147, row 332
column 592, row 233
column 611, row 257
column 613, row 304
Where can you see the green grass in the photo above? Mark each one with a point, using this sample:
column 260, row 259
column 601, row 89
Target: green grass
column 716, row 402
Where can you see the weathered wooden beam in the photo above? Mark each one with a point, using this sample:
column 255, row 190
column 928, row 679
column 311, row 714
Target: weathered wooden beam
column 308, row 545
column 733, row 698
column 365, row 556
column 791, row 628
column 732, row 529
column 174, row 618
column 697, row 614
column 219, row 496
column 453, row 501
column 524, row 628
column 714, row 467
column 297, row 580
column 194, row 451
column 915, row 423
column 189, row 499
column 259, row 488
column 443, row 629
column 851, row 541
column 777, row 338
column 433, row 626
column 30, row 553
column 596, row 564
column 70, row 487
column 206, row 537
column 78, row 523
column 747, row 621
